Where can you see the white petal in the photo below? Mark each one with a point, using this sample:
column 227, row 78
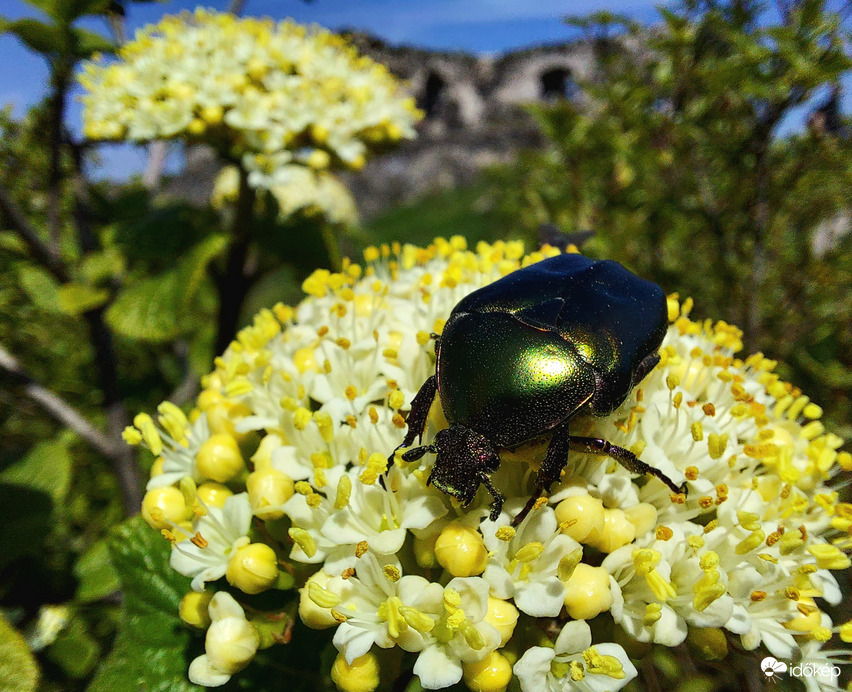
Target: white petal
column 202, row 673
column 576, row 636
column 533, row 667
column 223, row 605
column 422, row 511
column 353, row 641
column 436, row 669
column 500, row 581
column 543, row 598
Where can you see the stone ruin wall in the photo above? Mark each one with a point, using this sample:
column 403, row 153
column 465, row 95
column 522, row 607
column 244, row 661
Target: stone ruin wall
column 474, row 113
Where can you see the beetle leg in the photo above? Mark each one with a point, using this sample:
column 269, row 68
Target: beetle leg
column 418, row 452
column 647, row 364
column 595, row 445
column 550, row 469
column 497, row 504
column 419, row 414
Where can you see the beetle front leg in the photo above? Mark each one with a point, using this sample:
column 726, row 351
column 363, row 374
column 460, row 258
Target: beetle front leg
column 497, row 503
column 596, row 445
column 550, row 469
column 419, row 414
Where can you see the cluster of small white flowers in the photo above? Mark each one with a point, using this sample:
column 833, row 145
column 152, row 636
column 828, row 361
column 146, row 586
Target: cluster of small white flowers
column 272, row 94
column 296, row 189
column 316, row 395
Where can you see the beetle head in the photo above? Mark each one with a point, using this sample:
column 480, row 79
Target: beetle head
column 463, row 458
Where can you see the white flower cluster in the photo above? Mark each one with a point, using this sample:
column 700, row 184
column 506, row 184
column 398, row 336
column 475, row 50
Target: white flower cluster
column 270, row 94
column 316, row 396
column 296, row 189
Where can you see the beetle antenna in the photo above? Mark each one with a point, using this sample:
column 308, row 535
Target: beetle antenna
column 418, row 452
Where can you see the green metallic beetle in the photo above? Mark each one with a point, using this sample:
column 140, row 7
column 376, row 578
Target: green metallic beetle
column 521, row 357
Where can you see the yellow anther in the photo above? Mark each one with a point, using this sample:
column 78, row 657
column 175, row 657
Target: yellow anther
column 392, row 573
column 530, row 552
column 322, row 596
column 653, row 612
column 821, row 634
column 568, row 563
column 417, row 619
column 344, row 492
column 664, row 533
column 396, row 399
column 150, row 434
column 301, row 418
column 505, row 533
column 697, row 431
column 672, row 382
column 303, row 488
column 131, row 436
column 376, row 466
column 748, row 520
column 709, row 561
column 603, row 664
column 304, row 540
column 750, row 542
column 829, row 556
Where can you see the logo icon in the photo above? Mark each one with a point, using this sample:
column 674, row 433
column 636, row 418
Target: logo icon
column 772, row 667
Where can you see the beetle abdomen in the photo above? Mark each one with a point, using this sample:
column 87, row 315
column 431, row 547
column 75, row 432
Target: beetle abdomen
column 507, row 380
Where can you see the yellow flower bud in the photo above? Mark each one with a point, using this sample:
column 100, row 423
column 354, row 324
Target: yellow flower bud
column 219, row 458
column 491, row 674
column 587, row 592
column 461, row 551
column 213, row 494
column 581, row 517
column 314, row 615
column 503, row 617
column 424, row 551
column 617, row 531
column 231, row 643
column 262, row 457
column 362, row 675
column 267, row 491
column 163, row 506
column 221, row 416
column 193, row 608
column 209, row 397
column 253, row 568
column 643, row 517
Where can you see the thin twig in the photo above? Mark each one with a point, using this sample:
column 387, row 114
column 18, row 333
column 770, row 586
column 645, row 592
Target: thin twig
column 42, row 252
column 56, row 406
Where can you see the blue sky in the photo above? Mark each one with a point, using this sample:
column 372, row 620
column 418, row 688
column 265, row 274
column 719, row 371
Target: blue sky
column 484, row 26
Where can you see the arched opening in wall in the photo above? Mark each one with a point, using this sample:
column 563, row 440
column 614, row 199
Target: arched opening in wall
column 557, row 84
column 432, row 94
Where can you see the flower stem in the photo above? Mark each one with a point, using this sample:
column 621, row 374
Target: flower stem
column 233, row 284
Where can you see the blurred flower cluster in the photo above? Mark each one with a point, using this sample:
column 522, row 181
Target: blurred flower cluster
column 271, row 95
column 281, row 475
column 298, row 189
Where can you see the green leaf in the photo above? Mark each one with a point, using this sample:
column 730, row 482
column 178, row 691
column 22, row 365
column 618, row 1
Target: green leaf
column 75, row 650
column 43, row 38
column 154, row 309
column 47, row 467
column 41, row 288
column 18, row 669
column 87, row 43
column 96, row 577
column 26, row 521
column 77, row 298
column 150, row 647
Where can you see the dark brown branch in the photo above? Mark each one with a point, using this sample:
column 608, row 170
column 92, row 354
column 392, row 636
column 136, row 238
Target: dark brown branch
column 233, row 284
column 43, row 253
column 56, row 406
